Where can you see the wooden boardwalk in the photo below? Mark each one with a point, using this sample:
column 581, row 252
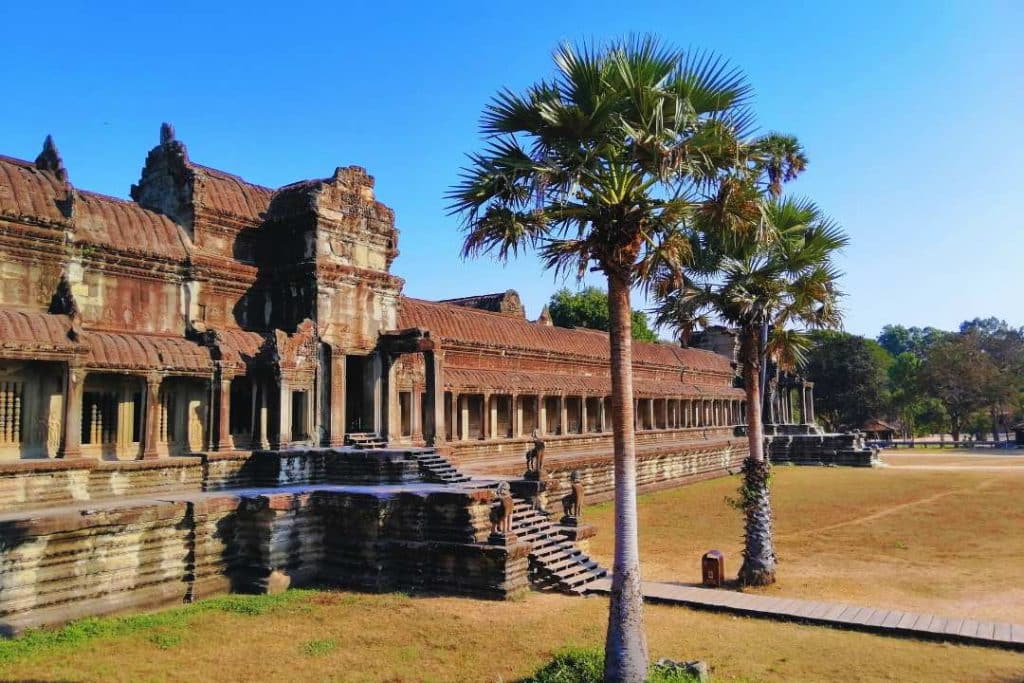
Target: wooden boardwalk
column 841, row 615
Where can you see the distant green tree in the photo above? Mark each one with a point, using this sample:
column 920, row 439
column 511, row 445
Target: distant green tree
column 959, row 373
column 897, row 339
column 1004, row 345
column 930, row 417
column 906, row 399
column 850, row 375
column 589, row 308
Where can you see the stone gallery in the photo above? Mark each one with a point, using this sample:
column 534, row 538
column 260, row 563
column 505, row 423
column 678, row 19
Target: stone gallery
column 219, row 386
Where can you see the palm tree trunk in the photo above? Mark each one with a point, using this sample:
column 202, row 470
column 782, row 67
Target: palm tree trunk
column 759, row 550
column 626, row 642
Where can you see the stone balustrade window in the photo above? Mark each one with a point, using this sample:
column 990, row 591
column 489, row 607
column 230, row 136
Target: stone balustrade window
column 11, row 412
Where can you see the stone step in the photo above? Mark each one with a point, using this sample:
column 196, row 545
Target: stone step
column 555, row 563
column 570, row 561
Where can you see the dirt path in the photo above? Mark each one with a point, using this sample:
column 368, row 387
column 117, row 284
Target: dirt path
column 885, row 512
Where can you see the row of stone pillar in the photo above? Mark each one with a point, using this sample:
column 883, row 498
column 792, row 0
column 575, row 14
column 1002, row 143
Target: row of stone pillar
column 782, row 411
column 676, row 414
column 684, row 413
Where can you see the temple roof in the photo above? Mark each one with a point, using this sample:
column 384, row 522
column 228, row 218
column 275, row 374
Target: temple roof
column 33, row 332
column 127, row 226
column 120, row 351
column 27, row 192
column 230, row 194
column 507, row 302
column 452, row 323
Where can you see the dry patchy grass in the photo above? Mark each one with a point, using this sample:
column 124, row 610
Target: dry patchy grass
column 354, row 637
column 958, row 458
column 948, row 542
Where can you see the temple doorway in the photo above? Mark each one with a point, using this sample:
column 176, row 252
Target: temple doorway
column 359, row 394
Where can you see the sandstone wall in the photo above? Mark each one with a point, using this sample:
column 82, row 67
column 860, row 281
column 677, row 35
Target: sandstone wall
column 65, row 563
column 822, row 449
column 60, row 566
column 29, row 484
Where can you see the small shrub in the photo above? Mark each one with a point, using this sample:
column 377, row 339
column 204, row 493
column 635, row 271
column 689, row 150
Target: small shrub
column 573, row 665
column 586, row 665
column 165, row 640
column 317, row 648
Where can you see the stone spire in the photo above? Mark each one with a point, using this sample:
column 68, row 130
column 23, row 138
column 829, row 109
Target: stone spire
column 166, row 133
column 49, row 160
column 545, row 317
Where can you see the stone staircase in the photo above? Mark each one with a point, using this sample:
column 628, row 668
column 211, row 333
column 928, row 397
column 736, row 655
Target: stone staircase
column 555, row 563
column 435, row 467
column 365, row 440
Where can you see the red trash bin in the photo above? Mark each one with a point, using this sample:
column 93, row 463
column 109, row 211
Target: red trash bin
column 712, row 568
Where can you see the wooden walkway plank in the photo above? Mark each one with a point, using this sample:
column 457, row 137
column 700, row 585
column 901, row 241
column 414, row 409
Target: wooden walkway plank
column 892, row 618
column 877, row 617
column 969, row 629
column 908, row 620
column 872, row 619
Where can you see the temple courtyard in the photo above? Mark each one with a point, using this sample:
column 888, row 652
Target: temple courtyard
column 935, row 532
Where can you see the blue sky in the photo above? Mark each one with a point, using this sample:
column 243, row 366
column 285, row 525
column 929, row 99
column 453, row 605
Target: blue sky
column 910, row 113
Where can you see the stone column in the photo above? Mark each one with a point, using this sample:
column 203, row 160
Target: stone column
column 492, row 416
column 434, row 429
column 463, row 417
column 583, row 415
column 416, row 414
column 542, row 415
column 650, row 413
column 336, row 395
column 261, row 438
column 284, row 415
column 71, row 432
column 150, row 447
column 485, row 416
column 810, row 404
column 224, row 440
column 386, row 411
column 516, row 416
column 563, row 415
column 601, row 415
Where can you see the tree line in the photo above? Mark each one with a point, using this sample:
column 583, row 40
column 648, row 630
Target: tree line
column 922, row 380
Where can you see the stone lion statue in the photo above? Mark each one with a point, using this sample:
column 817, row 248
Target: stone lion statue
column 501, row 515
column 535, row 458
column 572, row 504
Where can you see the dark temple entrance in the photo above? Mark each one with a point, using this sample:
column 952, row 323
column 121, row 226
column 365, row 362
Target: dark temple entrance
column 359, row 394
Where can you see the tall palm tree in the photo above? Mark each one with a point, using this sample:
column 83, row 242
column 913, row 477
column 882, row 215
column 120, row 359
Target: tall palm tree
column 780, row 275
column 593, row 169
column 780, row 157
column 774, row 159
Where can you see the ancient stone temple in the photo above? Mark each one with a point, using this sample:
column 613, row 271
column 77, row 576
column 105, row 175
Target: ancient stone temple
column 215, row 335
column 212, row 314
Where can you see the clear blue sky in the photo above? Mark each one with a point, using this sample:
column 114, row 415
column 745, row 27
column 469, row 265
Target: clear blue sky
column 911, row 114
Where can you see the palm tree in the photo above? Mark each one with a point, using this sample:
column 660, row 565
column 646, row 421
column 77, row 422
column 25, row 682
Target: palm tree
column 594, row 168
column 775, row 158
column 777, row 276
column 780, row 157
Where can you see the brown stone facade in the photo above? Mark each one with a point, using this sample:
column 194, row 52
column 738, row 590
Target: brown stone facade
column 212, row 315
